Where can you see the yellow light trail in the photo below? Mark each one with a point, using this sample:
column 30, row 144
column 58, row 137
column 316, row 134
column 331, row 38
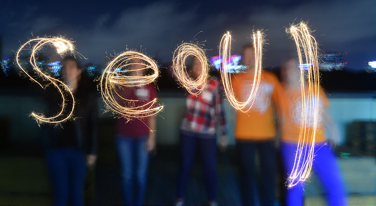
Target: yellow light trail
column 116, row 75
column 225, row 52
column 180, row 56
column 306, row 44
column 62, row 45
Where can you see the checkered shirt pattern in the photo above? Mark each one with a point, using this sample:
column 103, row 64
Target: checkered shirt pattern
column 204, row 113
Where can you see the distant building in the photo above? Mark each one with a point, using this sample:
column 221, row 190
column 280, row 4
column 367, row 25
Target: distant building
column 331, row 61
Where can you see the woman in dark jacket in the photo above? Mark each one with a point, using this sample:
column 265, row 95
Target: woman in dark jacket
column 71, row 146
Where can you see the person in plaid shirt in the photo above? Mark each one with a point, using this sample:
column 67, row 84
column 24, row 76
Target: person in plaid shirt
column 203, row 117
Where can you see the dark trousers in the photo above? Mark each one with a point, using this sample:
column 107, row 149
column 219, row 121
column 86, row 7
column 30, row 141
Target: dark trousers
column 208, row 151
column 266, row 180
column 67, row 168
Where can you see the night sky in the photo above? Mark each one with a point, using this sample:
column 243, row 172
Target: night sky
column 103, row 28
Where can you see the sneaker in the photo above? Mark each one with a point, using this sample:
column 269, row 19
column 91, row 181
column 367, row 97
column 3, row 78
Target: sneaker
column 213, row 203
column 179, row 203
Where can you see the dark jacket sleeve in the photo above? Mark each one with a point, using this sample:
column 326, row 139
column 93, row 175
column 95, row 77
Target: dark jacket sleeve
column 92, row 124
column 49, row 132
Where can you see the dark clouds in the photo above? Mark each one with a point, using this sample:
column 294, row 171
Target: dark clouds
column 337, row 20
column 339, row 26
column 158, row 27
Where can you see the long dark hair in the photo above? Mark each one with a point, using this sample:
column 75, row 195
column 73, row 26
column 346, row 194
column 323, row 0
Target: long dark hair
column 82, row 85
column 71, row 58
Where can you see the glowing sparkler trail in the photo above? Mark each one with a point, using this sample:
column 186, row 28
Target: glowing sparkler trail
column 181, row 54
column 225, row 52
column 114, row 78
column 306, row 43
column 62, row 46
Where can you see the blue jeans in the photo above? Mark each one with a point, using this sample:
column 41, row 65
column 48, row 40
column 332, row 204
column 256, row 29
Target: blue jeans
column 325, row 168
column 67, row 168
column 267, row 175
column 133, row 164
column 208, row 151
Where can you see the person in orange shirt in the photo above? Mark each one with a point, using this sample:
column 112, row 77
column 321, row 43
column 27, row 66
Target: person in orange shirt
column 324, row 165
column 255, row 130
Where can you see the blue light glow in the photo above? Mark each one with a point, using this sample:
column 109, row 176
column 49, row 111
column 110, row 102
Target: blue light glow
column 305, row 66
column 39, row 64
column 90, row 70
column 372, row 64
column 5, row 65
column 55, row 67
column 117, row 71
column 233, row 64
column 54, row 63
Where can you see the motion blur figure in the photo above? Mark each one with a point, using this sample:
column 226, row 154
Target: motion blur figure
column 203, row 117
column 71, row 146
column 324, row 163
column 135, row 138
column 255, row 130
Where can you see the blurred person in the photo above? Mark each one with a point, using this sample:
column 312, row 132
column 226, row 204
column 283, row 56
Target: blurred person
column 255, row 131
column 135, row 138
column 324, row 163
column 72, row 146
column 203, row 116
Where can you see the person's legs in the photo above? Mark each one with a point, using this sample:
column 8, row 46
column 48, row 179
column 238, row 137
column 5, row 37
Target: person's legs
column 326, row 168
column 141, row 166
column 187, row 147
column 125, row 148
column 267, row 172
column 208, row 152
column 77, row 174
column 57, row 165
column 246, row 154
column 282, row 177
column 295, row 195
